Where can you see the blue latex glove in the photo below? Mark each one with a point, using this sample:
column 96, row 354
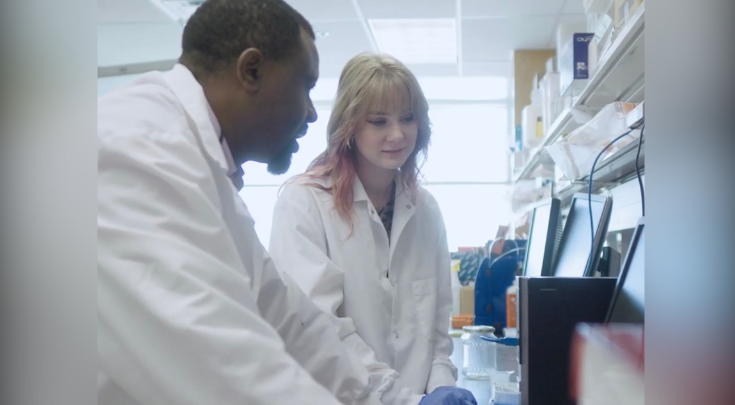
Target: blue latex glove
column 449, row 396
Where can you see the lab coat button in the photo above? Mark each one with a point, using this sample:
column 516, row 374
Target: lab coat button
column 397, row 335
column 408, row 206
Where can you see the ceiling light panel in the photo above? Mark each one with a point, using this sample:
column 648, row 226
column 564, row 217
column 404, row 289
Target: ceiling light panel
column 417, row 41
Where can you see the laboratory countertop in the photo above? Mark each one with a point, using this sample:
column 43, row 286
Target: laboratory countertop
column 482, row 389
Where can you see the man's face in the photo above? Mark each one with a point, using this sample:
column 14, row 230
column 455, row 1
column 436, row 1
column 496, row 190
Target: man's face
column 288, row 107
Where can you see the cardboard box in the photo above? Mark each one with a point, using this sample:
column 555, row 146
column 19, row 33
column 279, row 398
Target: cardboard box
column 460, row 321
column 574, row 64
column 467, row 300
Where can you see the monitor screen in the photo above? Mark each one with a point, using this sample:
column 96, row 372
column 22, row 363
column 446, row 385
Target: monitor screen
column 574, row 249
column 627, row 306
column 540, row 250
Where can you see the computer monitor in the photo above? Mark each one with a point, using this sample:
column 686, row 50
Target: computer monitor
column 628, row 299
column 573, row 256
column 543, row 239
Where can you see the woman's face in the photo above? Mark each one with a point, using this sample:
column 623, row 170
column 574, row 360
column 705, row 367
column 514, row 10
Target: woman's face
column 387, row 138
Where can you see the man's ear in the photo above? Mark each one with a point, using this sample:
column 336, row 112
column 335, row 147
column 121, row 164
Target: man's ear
column 249, row 65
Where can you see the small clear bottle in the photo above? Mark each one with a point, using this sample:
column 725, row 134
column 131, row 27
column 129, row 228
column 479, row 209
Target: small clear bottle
column 478, row 360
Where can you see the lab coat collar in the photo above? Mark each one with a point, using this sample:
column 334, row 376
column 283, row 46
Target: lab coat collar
column 404, row 208
column 191, row 95
column 402, row 194
column 358, row 190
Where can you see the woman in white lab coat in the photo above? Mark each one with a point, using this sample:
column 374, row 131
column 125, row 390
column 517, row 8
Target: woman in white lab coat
column 362, row 238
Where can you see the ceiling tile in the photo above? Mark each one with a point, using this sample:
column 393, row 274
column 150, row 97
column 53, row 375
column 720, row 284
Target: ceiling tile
column 417, row 41
column 574, row 19
column 321, row 10
column 345, row 40
column 487, row 43
column 573, row 7
column 506, row 8
column 408, row 8
column 487, row 40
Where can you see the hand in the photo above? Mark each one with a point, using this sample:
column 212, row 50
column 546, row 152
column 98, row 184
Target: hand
column 449, row 396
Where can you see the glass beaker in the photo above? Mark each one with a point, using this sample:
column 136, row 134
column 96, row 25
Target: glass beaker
column 478, row 360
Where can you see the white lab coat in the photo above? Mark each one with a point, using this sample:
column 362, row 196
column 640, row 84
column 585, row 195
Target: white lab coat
column 190, row 307
column 401, row 316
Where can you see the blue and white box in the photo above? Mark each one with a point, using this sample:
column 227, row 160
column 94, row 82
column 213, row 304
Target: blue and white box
column 574, row 64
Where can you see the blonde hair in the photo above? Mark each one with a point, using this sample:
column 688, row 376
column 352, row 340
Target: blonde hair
column 368, row 83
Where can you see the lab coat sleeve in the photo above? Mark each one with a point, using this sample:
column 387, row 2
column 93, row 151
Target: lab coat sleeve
column 177, row 321
column 312, row 339
column 298, row 247
column 443, row 372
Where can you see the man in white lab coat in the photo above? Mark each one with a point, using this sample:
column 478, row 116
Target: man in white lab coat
column 190, row 307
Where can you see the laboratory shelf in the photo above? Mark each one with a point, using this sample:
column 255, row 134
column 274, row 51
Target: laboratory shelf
column 613, row 171
column 563, row 124
column 619, row 75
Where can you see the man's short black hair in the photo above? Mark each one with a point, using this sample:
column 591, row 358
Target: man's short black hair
column 220, row 30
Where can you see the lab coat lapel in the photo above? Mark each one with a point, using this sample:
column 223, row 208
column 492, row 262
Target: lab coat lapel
column 190, row 94
column 402, row 213
column 358, row 190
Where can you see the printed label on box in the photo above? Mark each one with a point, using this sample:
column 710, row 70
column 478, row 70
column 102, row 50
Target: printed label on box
column 581, row 55
column 574, row 62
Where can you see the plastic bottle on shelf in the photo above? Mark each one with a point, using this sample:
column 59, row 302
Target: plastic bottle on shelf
column 532, row 121
column 551, row 99
column 456, row 286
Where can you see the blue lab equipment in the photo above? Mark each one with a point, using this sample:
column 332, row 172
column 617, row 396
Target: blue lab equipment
column 494, row 276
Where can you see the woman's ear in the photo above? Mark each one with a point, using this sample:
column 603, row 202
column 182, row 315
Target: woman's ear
column 249, row 65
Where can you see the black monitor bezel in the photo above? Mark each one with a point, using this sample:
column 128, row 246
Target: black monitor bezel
column 549, row 248
column 600, row 232
column 626, row 265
